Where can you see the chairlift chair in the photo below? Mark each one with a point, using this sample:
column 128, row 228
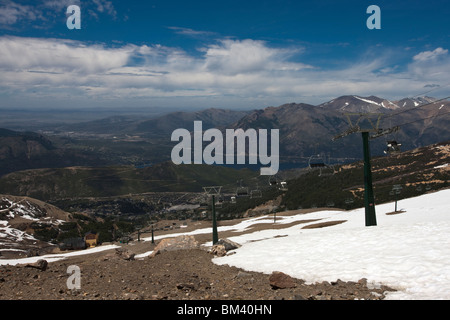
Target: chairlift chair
column 242, row 192
column 273, row 181
column 316, row 162
column 393, row 147
column 219, row 202
column 256, row 193
column 328, row 170
column 349, row 201
column 283, row 186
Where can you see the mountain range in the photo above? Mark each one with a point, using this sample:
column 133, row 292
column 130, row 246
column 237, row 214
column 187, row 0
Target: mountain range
column 305, row 130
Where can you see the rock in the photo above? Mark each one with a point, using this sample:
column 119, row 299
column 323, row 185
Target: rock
column 243, row 274
column 280, row 280
column 33, row 252
column 187, row 286
column 228, row 244
column 130, row 296
column 218, row 250
column 41, row 264
column 222, row 246
column 125, row 254
column 182, row 242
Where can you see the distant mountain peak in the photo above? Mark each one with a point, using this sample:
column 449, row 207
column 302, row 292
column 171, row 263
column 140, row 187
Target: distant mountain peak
column 354, row 103
column 415, row 101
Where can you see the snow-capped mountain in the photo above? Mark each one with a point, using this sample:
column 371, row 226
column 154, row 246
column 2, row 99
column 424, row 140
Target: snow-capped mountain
column 414, row 102
column 360, row 104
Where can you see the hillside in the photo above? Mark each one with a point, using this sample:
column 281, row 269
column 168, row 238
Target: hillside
column 165, row 125
column 30, row 227
column 73, row 182
column 156, row 126
column 416, row 171
column 22, row 219
column 29, row 150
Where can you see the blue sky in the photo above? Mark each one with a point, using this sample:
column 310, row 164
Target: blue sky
column 223, row 54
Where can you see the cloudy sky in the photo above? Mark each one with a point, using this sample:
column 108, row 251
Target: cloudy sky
column 223, row 54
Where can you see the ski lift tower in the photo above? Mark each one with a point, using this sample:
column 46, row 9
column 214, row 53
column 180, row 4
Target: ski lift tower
column 369, row 199
column 213, row 192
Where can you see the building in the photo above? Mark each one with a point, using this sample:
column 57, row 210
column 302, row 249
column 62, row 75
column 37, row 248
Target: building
column 73, row 244
column 91, row 239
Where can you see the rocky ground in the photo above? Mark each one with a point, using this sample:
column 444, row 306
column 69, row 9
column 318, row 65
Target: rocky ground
column 187, row 274
column 183, row 270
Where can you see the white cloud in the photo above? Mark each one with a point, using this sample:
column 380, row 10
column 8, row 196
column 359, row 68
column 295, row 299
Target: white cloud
column 60, row 5
column 433, row 66
column 59, row 55
column 229, row 72
column 246, row 56
column 191, row 33
column 11, row 13
column 105, row 6
column 430, row 55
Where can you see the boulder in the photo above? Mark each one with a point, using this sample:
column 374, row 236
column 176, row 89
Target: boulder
column 41, row 264
column 280, row 280
column 228, row 244
column 218, row 250
column 125, row 254
column 182, row 242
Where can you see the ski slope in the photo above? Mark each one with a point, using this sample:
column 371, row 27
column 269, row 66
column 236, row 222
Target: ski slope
column 408, row 251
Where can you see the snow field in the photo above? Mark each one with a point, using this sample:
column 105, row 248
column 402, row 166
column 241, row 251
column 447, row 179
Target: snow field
column 408, row 251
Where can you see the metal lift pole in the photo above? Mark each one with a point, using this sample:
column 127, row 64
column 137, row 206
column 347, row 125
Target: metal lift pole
column 369, row 199
column 213, row 191
column 214, row 222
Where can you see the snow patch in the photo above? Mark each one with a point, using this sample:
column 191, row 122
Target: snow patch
column 366, row 100
column 57, row 257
